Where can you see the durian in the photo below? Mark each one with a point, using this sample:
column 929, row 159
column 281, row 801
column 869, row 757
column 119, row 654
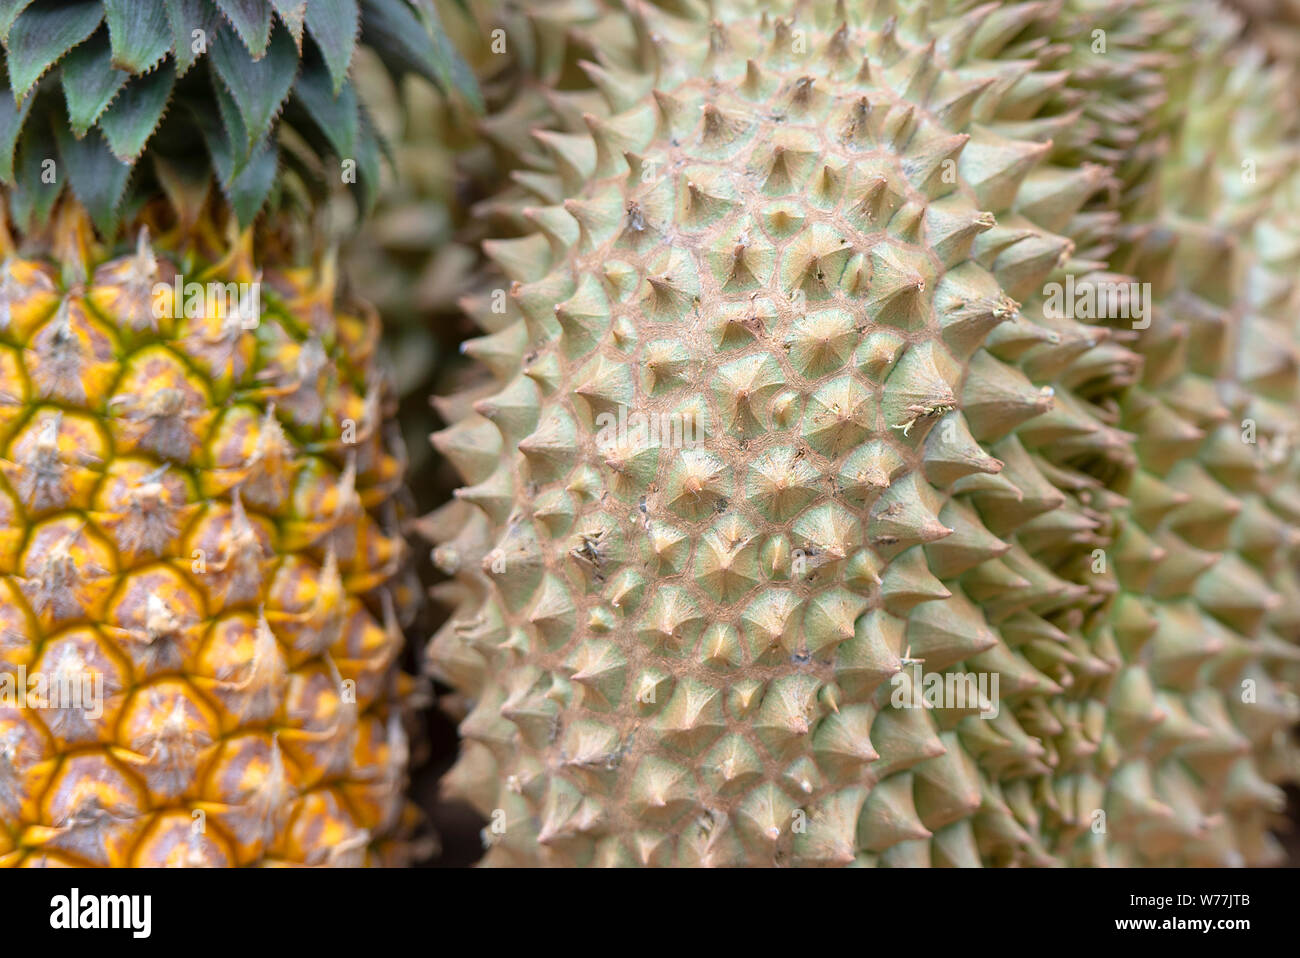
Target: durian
column 796, row 400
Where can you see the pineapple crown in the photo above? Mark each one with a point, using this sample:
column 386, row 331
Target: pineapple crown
column 124, row 100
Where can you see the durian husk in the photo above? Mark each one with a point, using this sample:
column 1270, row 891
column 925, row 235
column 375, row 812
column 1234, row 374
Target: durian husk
column 1057, row 500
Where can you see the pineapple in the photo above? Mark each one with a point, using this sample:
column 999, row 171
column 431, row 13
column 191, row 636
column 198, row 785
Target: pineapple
column 202, row 583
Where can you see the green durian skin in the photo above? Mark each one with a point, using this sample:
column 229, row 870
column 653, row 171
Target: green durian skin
column 822, row 242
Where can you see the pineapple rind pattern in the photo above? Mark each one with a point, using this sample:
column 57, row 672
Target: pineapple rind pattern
column 199, row 513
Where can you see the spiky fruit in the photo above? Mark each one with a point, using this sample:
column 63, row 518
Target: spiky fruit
column 200, row 557
column 1214, row 494
column 822, row 240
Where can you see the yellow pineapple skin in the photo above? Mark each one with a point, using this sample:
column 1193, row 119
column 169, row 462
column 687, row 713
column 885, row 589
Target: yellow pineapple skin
column 198, row 529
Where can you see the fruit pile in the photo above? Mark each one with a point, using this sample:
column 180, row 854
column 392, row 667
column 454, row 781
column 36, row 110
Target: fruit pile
column 879, row 446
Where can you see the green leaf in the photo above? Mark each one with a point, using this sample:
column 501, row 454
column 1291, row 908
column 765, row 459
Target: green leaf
column 369, row 163
column 335, row 116
column 135, row 114
column 216, row 136
column 417, row 44
column 12, row 118
column 333, row 25
column 453, row 72
column 292, row 14
column 249, row 190
column 9, row 10
column 138, row 29
column 246, row 188
column 90, row 82
column 252, row 21
column 225, row 135
column 42, row 35
column 97, row 177
column 232, row 126
column 184, row 17
column 258, row 87
column 38, row 173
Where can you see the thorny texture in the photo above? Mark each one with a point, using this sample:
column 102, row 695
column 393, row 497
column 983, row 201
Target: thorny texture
column 187, row 517
column 686, row 656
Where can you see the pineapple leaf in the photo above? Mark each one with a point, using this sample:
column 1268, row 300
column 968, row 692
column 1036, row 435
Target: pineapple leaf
column 251, row 20
column 138, row 29
column 240, row 145
column 38, row 180
column 266, row 94
column 246, row 181
column 98, row 178
column 370, row 144
column 216, row 135
column 241, row 148
column 392, row 28
column 136, row 113
column 90, row 82
column 335, row 116
column 258, row 87
column 292, row 14
column 9, row 10
column 11, row 122
column 186, row 16
column 334, row 25
column 248, row 191
column 454, row 72
column 12, row 118
column 41, row 36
